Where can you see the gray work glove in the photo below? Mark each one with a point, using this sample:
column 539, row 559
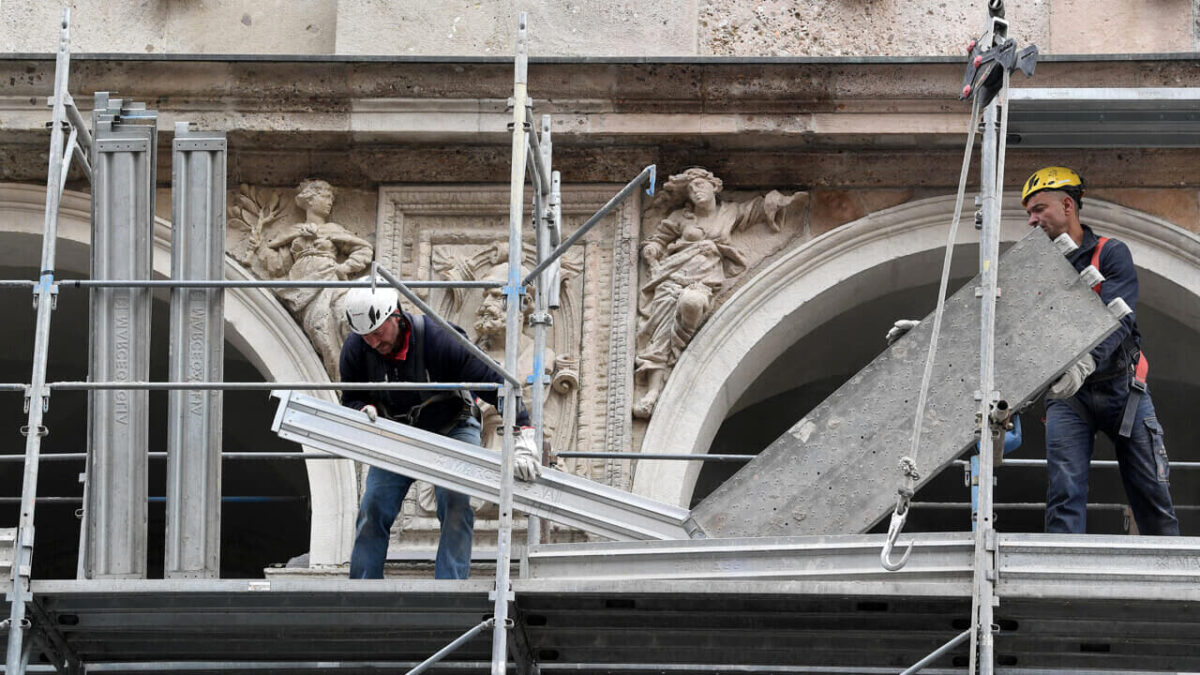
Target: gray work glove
column 526, row 465
column 1072, row 380
column 899, row 329
column 372, row 413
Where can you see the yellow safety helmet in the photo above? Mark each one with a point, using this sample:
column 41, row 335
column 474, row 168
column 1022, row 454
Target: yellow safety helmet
column 1052, row 178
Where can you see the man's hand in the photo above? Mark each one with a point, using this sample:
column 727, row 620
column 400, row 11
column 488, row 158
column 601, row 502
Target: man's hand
column 1072, row 380
column 526, row 465
column 900, row 329
column 372, row 413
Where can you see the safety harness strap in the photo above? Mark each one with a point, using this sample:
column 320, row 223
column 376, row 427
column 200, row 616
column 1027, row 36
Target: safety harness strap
column 1096, row 259
column 1137, row 386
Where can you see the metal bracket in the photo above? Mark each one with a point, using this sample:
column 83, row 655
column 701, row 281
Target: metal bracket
column 1090, row 276
column 53, row 289
column 1119, row 308
column 41, row 430
column 511, row 596
column 988, row 59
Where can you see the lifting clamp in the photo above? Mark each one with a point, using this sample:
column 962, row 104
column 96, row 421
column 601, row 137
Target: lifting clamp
column 986, row 67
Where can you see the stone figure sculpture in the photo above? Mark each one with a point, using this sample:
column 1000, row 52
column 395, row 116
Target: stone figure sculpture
column 490, row 333
column 314, row 249
column 691, row 256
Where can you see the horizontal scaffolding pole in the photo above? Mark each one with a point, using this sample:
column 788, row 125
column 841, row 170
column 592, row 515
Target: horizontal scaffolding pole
column 1095, row 463
column 1101, row 463
column 238, row 283
column 159, row 500
column 1034, row 506
column 660, row 668
column 266, row 386
column 255, row 283
column 647, row 174
column 651, row 455
column 238, row 456
column 271, row 666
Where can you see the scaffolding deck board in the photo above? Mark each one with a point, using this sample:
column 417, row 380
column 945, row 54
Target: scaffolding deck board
column 835, row 470
column 1107, row 117
column 1123, row 615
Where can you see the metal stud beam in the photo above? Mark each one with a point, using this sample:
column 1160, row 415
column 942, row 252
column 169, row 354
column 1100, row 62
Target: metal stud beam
column 472, row 470
column 193, row 541
column 123, row 170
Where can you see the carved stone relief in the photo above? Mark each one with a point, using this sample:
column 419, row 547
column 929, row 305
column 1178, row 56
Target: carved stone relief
column 445, row 233
column 698, row 246
column 311, row 248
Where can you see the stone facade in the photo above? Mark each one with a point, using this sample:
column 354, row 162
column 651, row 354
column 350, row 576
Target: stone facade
column 575, row 28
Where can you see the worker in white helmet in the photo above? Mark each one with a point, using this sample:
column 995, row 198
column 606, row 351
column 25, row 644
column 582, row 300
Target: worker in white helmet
column 387, row 344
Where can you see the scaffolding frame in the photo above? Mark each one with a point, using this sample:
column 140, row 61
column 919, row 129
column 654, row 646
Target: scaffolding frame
column 531, row 159
column 532, row 152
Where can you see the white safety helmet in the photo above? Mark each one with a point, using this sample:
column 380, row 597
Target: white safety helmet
column 367, row 309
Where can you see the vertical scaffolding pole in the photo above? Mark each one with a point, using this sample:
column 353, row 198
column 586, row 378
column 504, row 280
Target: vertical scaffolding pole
column 37, row 398
column 123, row 168
column 502, row 594
column 991, row 178
column 193, row 496
column 547, row 211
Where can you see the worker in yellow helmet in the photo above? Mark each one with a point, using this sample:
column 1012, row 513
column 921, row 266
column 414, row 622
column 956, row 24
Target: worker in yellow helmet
column 1106, row 389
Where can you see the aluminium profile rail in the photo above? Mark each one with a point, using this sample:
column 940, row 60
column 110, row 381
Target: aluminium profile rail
column 472, row 470
column 1034, row 566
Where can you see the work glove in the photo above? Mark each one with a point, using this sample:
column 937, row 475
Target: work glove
column 526, row 465
column 1072, row 380
column 900, row 329
column 372, row 413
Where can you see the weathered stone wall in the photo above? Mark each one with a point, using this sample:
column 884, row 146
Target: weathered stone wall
column 579, row 28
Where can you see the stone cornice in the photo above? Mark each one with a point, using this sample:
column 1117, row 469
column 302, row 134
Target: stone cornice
column 760, row 122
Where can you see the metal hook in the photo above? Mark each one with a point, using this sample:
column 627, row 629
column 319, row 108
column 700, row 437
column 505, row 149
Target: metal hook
column 899, row 515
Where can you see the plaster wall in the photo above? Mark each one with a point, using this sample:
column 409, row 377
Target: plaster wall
column 576, row 28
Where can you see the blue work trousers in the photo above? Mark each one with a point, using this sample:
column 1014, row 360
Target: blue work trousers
column 381, row 502
column 1071, row 427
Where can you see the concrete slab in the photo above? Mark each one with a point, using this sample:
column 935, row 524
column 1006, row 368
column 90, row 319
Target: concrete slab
column 835, row 471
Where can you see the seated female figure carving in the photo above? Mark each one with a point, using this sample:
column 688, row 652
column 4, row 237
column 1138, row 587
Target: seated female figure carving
column 690, row 255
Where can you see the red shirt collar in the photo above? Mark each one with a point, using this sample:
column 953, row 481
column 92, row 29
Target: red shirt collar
column 402, row 341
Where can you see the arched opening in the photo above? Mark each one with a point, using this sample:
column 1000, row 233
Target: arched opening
column 282, row 508
column 819, row 315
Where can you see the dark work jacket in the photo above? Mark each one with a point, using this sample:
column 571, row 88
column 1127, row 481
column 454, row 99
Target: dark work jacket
column 1114, row 355
column 445, row 361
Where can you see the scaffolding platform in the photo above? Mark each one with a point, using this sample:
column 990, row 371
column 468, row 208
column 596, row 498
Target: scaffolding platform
column 1068, row 604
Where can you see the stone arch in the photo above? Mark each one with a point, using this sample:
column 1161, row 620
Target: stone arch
column 816, row 280
column 256, row 324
